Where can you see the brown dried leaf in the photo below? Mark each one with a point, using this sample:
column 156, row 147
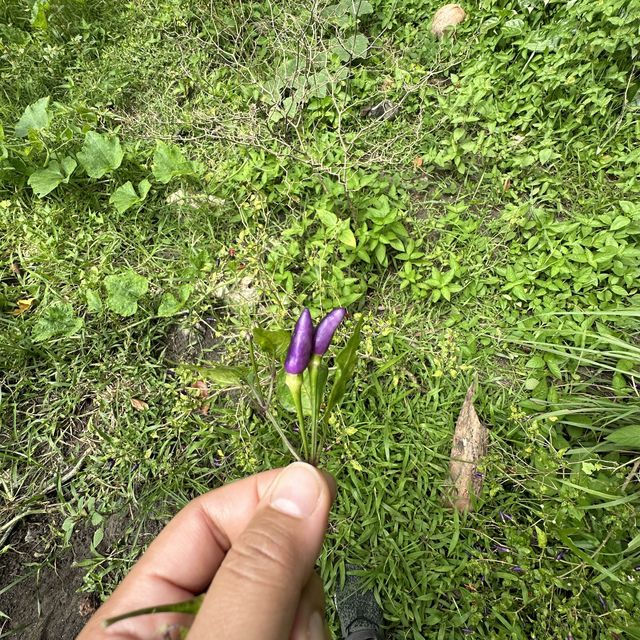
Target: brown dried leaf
column 23, row 306
column 470, row 441
column 202, row 388
column 445, row 17
column 139, row 405
column 418, row 162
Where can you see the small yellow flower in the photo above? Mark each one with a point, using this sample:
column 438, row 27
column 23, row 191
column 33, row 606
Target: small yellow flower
column 350, row 431
column 438, row 374
column 220, row 453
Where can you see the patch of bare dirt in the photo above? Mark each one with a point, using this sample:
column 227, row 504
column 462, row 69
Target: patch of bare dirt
column 41, row 599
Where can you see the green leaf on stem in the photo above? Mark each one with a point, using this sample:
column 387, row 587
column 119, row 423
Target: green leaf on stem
column 274, row 343
column 345, row 363
column 284, row 395
column 221, row 375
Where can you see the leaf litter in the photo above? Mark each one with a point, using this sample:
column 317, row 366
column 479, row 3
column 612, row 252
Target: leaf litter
column 470, row 442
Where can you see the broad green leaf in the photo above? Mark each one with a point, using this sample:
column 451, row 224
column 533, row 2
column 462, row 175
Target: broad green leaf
column 348, row 7
column 626, row 436
column 39, row 14
column 98, row 536
column 100, row 154
column 94, row 303
column 56, row 320
column 275, row 342
column 346, row 237
column 143, row 188
column 350, row 47
column 124, row 290
column 542, row 537
column 328, row 218
column 345, row 363
column 536, row 362
column 169, row 162
column 125, row 196
column 620, row 222
column 630, row 208
column 531, row 383
column 44, row 181
column 34, row 118
column 171, row 304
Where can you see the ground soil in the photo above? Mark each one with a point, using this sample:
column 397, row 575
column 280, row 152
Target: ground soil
column 46, row 603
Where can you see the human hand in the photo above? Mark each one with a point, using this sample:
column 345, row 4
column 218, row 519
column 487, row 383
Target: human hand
column 251, row 545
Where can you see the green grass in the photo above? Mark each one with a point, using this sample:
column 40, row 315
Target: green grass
column 477, row 232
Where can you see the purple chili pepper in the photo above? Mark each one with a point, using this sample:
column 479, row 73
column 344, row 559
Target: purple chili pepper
column 326, row 329
column 299, row 352
column 517, row 569
column 561, row 554
column 505, row 516
column 500, row 548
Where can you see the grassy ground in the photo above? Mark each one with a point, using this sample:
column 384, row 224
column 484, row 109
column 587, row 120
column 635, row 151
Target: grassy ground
column 476, row 230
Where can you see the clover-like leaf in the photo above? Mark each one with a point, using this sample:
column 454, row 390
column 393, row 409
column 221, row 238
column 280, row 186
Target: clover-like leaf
column 100, row 154
column 124, row 290
column 34, row 118
column 56, row 320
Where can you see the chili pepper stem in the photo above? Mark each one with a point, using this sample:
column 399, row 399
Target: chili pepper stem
column 294, row 382
column 314, row 367
column 188, row 606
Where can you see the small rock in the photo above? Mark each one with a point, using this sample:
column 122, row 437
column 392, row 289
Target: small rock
column 384, row 110
column 447, row 16
column 243, row 293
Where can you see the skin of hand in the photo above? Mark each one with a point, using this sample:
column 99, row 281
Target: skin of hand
column 252, row 546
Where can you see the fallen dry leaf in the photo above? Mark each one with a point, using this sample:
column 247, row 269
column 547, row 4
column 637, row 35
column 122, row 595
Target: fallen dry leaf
column 139, row 405
column 417, row 162
column 470, row 441
column 202, row 391
column 23, row 306
column 447, row 16
column 202, row 388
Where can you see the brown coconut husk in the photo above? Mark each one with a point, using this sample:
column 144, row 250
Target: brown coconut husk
column 446, row 17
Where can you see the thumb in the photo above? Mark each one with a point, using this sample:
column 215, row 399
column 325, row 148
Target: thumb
column 256, row 591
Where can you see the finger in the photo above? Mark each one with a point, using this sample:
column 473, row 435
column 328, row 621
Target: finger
column 310, row 617
column 256, row 591
column 182, row 560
